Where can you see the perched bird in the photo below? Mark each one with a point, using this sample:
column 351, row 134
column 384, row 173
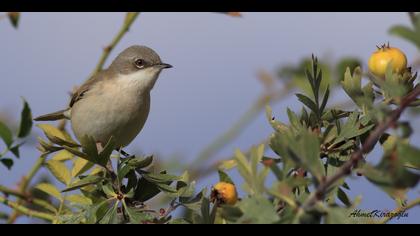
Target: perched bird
column 116, row 101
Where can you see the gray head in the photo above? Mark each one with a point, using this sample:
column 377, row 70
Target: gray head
column 136, row 58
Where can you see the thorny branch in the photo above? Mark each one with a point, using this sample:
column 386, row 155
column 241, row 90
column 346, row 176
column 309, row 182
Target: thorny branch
column 367, row 146
column 394, row 213
column 129, row 20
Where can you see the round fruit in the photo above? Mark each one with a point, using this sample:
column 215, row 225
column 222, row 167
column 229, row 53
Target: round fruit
column 224, row 193
column 380, row 59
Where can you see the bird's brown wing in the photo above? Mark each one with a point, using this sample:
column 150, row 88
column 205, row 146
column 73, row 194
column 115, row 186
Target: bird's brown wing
column 78, row 95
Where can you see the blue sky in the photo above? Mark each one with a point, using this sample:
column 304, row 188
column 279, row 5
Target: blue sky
column 215, row 59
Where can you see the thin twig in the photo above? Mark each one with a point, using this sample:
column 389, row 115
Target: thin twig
column 107, row 50
column 367, row 146
column 23, row 185
column 18, row 207
column 13, row 192
column 400, row 210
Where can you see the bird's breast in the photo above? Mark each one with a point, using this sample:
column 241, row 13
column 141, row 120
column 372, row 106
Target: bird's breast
column 118, row 109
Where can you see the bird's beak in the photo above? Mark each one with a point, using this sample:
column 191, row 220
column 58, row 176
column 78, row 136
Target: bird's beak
column 165, row 65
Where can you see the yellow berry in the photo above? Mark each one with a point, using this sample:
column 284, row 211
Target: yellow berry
column 380, row 59
column 225, row 193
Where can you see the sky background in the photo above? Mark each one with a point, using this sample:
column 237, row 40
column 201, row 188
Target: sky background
column 216, row 59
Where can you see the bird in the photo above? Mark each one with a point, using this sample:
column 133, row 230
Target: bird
column 114, row 102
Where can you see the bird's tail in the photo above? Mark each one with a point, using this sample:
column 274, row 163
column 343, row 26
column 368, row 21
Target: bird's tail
column 58, row 115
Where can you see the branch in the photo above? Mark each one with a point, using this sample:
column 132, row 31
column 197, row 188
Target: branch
column 23, row 210
column 13, row 192
column 131, row 16
column 26, row 180
column 399, row 210
column 367, row 146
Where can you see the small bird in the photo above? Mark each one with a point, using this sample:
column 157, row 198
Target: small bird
column 116, row 101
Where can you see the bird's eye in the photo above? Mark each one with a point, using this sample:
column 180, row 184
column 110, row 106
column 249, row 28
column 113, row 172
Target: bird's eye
column 139, row 63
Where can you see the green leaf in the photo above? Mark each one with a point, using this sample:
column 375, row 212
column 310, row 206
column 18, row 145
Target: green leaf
column 111, row 216
column 140, row 163
column 308, row 151
column 108, row 190
column 59, row 170
column 62, row 155
column 407, row 34
column 351, row 129
column 343, row 197
column 243, row 166
column 409, row 155
column 257, row 210
column 160, row 178
column 223, row 177
column 391, row 176
column 45, row 205
column 104, row 156
column 44, row 146
column 324, row 101
column 89, row 180
column 166, row 188
column 7, row 162
column 294, row 120
column 277, row 125
column 283, row 191
column 15, row 150
column 97, row 211
column 136, row 217
column 130, row 194
column 205, row 211
column 343, row 64
column 49, row 189
column 76, row 152
column 256, row 157
column 352, row 85
column 123, row 171
column 145, row 190
column 308, row 102
column 134, row 163
column 194, row 203
column 25, row 121
column 14, row 18
column 80, row 166
column 78, row 199
column 340, row 215
column 57, row 136
column 89, row 147
column 6, row 134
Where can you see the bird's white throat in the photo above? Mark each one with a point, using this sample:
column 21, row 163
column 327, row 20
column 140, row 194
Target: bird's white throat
column 141, row 80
